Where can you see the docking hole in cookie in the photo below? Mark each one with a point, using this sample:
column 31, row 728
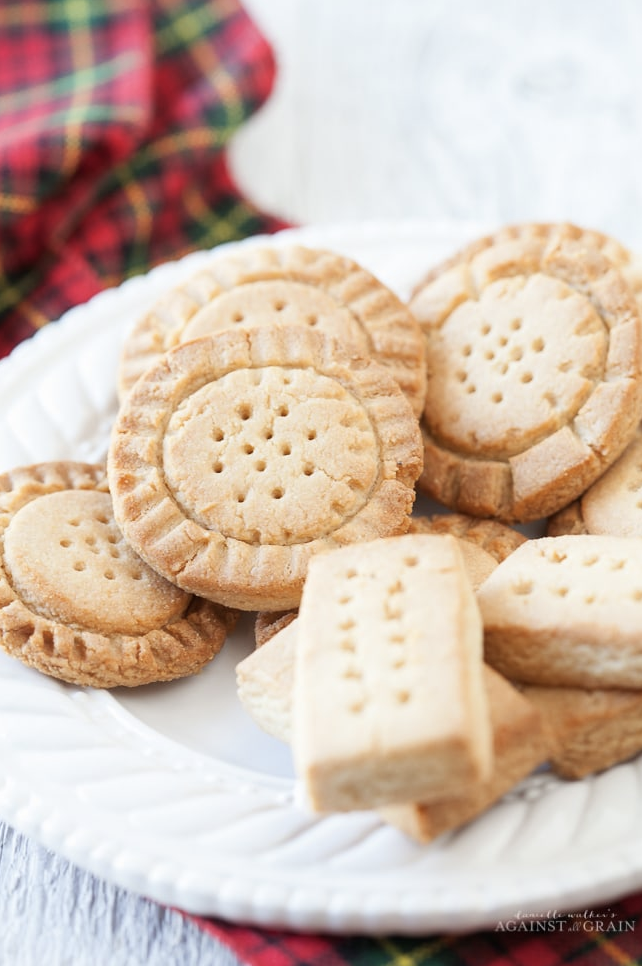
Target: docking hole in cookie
column 76, row 602
column 240, row 455
column 260, row 286
column 534, row 387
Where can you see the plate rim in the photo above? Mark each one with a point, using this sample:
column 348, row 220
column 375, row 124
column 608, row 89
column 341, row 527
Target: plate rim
column 270, row 897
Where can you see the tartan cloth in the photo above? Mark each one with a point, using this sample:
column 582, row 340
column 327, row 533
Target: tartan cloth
column 609, row 935
column 113, row 117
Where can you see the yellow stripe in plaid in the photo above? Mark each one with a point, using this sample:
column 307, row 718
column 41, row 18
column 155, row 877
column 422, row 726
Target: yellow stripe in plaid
column 186, row 25
column 613, row 950
column 35, row 317
column 20, row 204
column 143, row 222
column 215, row 229
column 10, row 295
column 420, row 954
column 56, row 120
column 190, row 29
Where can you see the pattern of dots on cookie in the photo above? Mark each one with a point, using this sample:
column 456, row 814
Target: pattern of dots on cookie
column 81, row 536
column 508, row 365
column 53, row 614
column 533, row 353
column 565, row 569
column 292, row 455
column 278, row 302
column 378, row 649
column 66, row 558
column 579, row 624
column 349, row 670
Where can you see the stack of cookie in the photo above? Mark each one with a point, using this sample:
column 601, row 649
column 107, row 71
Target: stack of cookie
column 269, row 411
column 278, row 413
column 533, row 346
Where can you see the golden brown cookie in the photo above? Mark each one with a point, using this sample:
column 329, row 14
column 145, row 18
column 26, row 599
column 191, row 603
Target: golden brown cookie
column 241, row 455
column 484, row 543
column 76, row 602
column 534, row 343
column 388, row 649
column 566, row 612
column 259, row 286
column 613, row 505
column 590, row 729
column 520, row 743
column 265, row 680
column 495, row 538
column 268, row 624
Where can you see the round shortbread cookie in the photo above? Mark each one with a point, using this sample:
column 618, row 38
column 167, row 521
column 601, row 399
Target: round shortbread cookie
column 495, row 538
column 268, row 623
column 76, row 602
column 534, row 343
column 612, row 506
column 240, row 455
column 276, row 286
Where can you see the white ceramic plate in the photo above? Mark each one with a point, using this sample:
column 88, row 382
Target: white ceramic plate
column 172, row 791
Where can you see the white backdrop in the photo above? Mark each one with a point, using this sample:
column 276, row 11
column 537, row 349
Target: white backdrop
column 441, row 109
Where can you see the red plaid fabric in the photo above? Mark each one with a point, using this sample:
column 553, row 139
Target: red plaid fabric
column 608, row 936
column 114, row 114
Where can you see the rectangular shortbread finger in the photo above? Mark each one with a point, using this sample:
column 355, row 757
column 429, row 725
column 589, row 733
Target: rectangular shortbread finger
column 566, row 611
column 264, row 681
column 389, row 702
column 520, row 744
column 521, row 741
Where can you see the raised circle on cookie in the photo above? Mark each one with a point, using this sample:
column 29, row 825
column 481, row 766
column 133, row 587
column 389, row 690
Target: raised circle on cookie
column 240, row 455
column 293, row 455
column 278, row 302
column 69, row 540
column 266, row 286
column 534, row 384
column 76, row 602
column 513, row 365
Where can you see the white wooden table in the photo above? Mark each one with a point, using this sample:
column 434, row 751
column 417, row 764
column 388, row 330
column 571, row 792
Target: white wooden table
column 417, row 109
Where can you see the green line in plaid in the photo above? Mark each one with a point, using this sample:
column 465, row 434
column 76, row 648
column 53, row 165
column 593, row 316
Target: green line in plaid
column 57, row 121
column 149, row 157
column 58, row 14
column 72, row 83
column 179, row 29
column 13, row 291
column 227, row 223
column 181, row 32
